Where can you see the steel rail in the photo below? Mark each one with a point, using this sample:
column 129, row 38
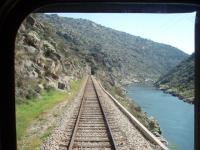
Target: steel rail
column 113, row 143
column 71, row 142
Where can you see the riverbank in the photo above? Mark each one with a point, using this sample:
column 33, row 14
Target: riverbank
column 175, row 117
column 165, row 89
column 176, row 94
column 150, row 123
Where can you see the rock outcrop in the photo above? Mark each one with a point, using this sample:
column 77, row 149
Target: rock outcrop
column 40, row 63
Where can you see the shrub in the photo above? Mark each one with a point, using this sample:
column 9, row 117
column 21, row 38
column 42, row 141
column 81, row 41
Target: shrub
column 93, row 69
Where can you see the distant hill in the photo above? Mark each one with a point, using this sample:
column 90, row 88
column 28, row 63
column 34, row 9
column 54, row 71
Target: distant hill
column 180, row 80
column 123, row 56
column 52, row 50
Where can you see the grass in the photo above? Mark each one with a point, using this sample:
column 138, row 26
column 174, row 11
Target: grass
column 31, row 110
column 35, row 107
column 36, row 141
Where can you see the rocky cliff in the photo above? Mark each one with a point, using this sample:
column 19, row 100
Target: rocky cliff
column 43, row 60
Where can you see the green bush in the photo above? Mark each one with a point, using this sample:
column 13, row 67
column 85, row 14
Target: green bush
column 31, row 94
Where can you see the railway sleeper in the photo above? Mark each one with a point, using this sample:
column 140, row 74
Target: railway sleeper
column 94, row 139
column 91, row 134
column 91, row 131
column 92, row 145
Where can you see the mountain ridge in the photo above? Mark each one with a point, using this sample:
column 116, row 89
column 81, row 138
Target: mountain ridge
column 112, row 44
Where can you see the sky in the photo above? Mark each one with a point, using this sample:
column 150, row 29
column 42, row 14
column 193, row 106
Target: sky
column 176, row 30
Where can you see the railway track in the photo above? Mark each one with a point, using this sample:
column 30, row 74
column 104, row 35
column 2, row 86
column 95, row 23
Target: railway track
column 91, row 130
column 95, row 121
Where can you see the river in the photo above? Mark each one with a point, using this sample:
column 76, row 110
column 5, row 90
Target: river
column 176, row 118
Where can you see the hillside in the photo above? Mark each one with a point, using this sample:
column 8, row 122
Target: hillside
column 52, row 50
column 43, row 61
column 123, row 56
column 180, row 80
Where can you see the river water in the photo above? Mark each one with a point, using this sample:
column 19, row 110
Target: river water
column 176, row 118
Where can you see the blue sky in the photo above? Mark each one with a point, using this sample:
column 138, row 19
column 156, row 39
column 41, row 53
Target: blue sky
column 173, row 29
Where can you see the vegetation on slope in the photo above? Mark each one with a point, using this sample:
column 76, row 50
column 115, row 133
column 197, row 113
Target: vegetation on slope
column 180, row 80
column 51, row 51
column 121, row 56
column 43, row 60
